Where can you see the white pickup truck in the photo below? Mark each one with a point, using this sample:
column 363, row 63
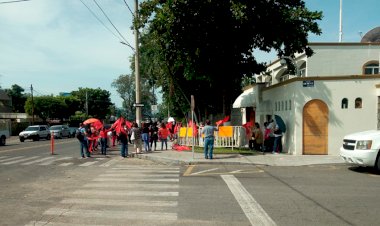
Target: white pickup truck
column 362, row 149
column 4, row 131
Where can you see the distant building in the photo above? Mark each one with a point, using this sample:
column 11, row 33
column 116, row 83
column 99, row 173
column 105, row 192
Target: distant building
column 334, row 92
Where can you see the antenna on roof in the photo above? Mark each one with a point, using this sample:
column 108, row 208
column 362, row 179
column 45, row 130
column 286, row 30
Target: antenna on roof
column 360, row 34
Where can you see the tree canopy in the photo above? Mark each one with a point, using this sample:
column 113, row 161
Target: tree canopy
column 205, row 47
column 18, row 98
column 94, row 102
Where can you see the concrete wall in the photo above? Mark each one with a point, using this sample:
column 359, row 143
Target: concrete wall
column 341, row 121
column 341, row 60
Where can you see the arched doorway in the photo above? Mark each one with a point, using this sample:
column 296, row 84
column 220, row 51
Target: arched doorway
column 315, row 128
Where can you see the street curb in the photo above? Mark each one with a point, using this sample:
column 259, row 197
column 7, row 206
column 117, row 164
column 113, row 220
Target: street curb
column 182, row 162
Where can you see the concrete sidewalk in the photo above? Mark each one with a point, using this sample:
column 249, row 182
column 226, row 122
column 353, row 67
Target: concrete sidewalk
column 190, row 158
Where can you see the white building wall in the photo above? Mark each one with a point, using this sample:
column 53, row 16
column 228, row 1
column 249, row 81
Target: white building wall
column 331, row 92
column 340, row 60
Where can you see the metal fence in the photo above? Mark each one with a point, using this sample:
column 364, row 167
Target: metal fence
column 227, row 136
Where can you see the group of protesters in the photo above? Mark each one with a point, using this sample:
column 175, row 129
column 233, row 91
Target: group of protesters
column 122, row 132
column 267, row 139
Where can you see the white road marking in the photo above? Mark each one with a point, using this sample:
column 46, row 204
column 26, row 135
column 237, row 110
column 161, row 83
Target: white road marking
column 88, row 163
column 254, row 212
column 54, row 160
column 132, row 175
column 66, row 164
column 109, row 163
column 19, row 160
column 156, row 216
column 116, row 202
column 124, row 193
column 45, row 223
column 136, row 180
column 13, row 158
column 129, row 185
column 36, row 161
column 204, row 171
column 236, row 171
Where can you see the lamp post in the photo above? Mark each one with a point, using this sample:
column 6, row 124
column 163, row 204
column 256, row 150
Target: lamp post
column 283, row 62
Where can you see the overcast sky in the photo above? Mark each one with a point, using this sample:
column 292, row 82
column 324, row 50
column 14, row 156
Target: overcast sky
column 59, row 45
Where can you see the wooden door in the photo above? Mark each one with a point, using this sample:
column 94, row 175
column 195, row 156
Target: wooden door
column 315, row 128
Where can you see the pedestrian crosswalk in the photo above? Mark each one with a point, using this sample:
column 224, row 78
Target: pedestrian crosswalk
column 55, row 160
column 132, row 195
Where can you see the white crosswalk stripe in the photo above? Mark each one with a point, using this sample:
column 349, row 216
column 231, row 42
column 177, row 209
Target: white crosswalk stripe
column 147, row 198
column 37, row 161
column 45, row 161
column 19, row 160
column 13, row 158
column 54, row 160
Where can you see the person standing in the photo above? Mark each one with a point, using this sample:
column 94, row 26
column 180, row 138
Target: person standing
column 103, row 140
column 82, row 137
column 136, row 137
column 258, row 135
column 153, row 135
column 277, row 143
column 208, row 132
column 145, row 136
column 163, row 134
column 114, row 137
column 123, row 138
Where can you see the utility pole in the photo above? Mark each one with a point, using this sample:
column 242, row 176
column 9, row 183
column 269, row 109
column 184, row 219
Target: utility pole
column 31, row 91
column 137, row 66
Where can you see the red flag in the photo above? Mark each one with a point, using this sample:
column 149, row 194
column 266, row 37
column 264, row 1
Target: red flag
column 247, row 127
column 118, row 125
column 177, row 127
column 220, row 122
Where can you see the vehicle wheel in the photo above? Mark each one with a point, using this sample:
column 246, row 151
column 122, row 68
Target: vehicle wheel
column 2, row 141
column 377, row 163
column 22, row 139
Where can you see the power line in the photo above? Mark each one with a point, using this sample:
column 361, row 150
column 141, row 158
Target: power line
column 15, row 1
column 92, row 12
column 129, row 8
column 126, row 42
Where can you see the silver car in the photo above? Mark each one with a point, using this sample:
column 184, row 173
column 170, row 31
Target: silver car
column 35, row 133
column 60, row 131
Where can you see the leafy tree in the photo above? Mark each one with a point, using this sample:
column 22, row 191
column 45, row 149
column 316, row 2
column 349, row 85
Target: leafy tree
column 125, row 86
column 45, row 107
column 205, row 47
column 97, row 100
column 71, row 103
column 18, row 98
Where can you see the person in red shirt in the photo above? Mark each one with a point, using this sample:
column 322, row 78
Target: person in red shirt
column 163, row 134
column 103, row 140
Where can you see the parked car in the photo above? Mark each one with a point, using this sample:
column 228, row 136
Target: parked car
column 35, row 133
column 60, row 131
column 362, row 149
column 73, row 131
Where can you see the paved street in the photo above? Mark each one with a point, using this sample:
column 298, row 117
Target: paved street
column 62, row 189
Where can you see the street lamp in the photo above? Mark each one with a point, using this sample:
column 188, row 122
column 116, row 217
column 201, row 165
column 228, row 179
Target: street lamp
column 283, row 63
